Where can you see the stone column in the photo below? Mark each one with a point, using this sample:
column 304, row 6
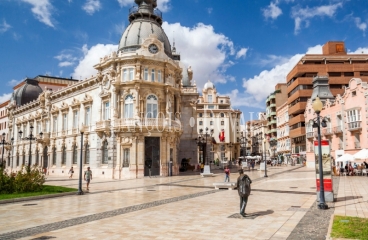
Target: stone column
column 164, row 148
column 118, row 167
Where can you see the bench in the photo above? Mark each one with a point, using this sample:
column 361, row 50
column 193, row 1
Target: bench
column 225, row 185
column 207, row 174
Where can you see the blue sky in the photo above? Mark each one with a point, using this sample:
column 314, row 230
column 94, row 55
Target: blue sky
column 245, row 47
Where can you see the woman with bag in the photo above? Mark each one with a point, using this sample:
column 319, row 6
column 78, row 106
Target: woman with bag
column 71, row 171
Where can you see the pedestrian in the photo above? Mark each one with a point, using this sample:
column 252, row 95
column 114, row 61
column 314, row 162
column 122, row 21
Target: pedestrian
column 71, row 171
column 366, row 164
column 88, row 176
column 202, row 167
column 243, row 185
column 253, row 163
column 227, row 174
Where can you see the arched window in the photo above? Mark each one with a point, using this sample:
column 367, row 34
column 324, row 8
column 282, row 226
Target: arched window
column 75, row 154
column 105, row 154
column 54, row 156
column 86, row 156
column 63, row 155
column 151, row 106
column 128, row 107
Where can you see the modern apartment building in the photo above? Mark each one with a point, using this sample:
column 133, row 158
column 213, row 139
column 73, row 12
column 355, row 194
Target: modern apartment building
column 273, row 101
column 335, row 63
column 283, row 138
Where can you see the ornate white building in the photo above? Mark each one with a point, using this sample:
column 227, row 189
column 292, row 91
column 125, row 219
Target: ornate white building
column 135, row 112
column 215, row 112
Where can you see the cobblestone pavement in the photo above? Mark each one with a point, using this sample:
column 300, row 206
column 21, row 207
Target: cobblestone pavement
column 182, row 207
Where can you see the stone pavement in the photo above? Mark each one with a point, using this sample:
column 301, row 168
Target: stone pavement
column 179, row 207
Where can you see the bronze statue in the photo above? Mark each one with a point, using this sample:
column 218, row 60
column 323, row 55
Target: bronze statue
column 243, row 185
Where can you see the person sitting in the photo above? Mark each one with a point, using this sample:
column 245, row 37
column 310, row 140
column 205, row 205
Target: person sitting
column 341, row 172
column 351, row 170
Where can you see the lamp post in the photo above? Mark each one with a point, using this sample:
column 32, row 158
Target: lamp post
column 202, row 142
column 265, row 159
column 3, row 142
column 317, row 107
column 80, row 191
column 30, row 137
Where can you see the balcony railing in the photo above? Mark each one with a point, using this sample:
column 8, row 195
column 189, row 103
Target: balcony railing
column 327, row 131
column 337, row 129
column 156, row 124
column 353, row 126
column 310, row 134
column 102, row 125
column 357, row 145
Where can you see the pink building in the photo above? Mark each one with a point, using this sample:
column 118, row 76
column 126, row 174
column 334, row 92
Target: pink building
column 346, row 119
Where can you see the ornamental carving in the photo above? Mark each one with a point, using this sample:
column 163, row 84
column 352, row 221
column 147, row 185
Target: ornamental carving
column 87, row 99
column 75, row 103
column 64, row 107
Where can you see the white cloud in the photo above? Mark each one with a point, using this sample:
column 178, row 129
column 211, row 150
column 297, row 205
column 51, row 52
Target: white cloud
column 92, row 6
column 66, row 59
column 301, row 15
column 5, row 97
column 241, row 53
column 272, row 11
column 163, row 5
column 13, row 82
column 203, row 49
column 4, row 26
column 90, row 58
column 260, row 86
column 361, row 25
column 360, row 50
column 42, row 10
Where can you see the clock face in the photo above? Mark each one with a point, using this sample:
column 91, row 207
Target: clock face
column 153, row 48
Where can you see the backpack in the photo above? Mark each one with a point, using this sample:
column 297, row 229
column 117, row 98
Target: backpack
column 244, row 186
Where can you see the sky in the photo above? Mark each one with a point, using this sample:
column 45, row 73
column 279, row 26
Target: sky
column 244, row 47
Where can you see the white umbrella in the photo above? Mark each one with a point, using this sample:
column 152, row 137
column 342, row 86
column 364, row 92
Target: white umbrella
column 362, row 154
column 345, row 157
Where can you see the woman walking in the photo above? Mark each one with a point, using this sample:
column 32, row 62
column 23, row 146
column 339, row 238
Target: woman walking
column 227, row 174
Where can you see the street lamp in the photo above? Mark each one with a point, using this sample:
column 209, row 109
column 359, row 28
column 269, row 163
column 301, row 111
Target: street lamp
column 230, row 145
column 30, row 137
column 80, row 191
column 4, row 143
column 317, row 107
column 202, row 142
column 264, row 152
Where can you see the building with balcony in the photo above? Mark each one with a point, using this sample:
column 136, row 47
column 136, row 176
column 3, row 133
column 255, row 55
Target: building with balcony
column 257, row 136
column 135, row 113
column 283, row 139
column 345, row 119
column 335, row 63
column 273, row 101
column 214, row 112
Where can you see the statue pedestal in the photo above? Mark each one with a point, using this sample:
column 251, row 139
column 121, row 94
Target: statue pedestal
column 262, row 166
column 207, row 172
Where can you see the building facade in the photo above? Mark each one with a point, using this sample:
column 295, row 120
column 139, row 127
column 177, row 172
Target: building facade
column 346, row 124
column 214, row 112
column 334, row 62
column 273, row 101
column 283, row 139
column 257, row 136
column 131, row 113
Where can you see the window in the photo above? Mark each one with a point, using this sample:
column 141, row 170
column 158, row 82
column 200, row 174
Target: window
column 153, row 75
column 54, row 124
column 86, row 156
column 200, row 114
column 128, row 74
column 54, row 156
column 128, row 107
column 200, row 123
column 211, row 114
column 211, row 107
column 222, row 115
column 75, row 154
column 17, row 162
column 131, row 74
column 210, row 98
column 221, row 101
column 63, row 155
column 353, row 115
column 222, row 123
column 38, row 128
column 75, row 119
column 211, row 122
column 104, row 152
column 159, row 75
column 65, row 121
column 106, row 115
column 151, row 106
column 126, row 156
column 125, row 75
column 24, row 159
column 47, row 126
column 353, row 93
column 146, row 74
column 87, row 116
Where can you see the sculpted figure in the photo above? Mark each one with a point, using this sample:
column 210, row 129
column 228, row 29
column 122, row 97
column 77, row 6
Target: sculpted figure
column 243, row 185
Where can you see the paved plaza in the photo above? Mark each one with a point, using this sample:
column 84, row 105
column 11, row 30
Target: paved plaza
column 281, row 206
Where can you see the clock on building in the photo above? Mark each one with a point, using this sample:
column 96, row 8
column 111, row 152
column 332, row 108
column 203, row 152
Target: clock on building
column 152, row 48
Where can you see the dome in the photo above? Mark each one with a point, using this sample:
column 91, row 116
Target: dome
column 145, row 19
column 209, row 85
column 27, row 93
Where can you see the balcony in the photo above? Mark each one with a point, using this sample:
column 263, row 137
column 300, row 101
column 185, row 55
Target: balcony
column 337, row 130
column 296, row 119
column 327, row 131
column 297, row 108
column 310, row 134
column 103, row 127
column 354, row 126
column 297, row 132
column 150, row 124
column 357, row 145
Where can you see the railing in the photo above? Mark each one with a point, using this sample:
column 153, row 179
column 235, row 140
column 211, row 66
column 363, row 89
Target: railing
column 135, row 9
column 327, row 131
column 357, row 145
column 310, row 134
column 103, row 124
column 337, row 129
column 159, row 124
column 354, row 126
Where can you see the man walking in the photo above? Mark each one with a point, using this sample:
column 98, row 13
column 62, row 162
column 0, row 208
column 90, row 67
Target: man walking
column 227, row 174
column 88, row 176
column 243, row 185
